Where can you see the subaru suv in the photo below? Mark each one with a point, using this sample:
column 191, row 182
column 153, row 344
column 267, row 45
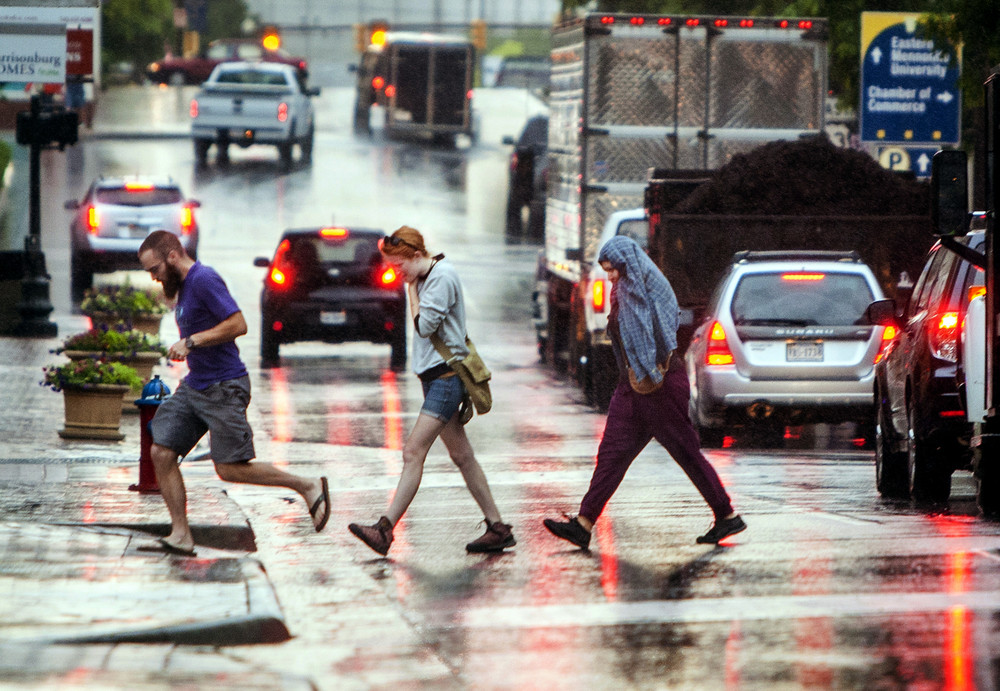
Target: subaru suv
column 331, row 285
column 785, row 342
column 115, row 216
column 921, row 430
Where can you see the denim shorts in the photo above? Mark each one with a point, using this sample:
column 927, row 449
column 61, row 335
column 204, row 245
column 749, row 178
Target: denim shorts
column 442, row 397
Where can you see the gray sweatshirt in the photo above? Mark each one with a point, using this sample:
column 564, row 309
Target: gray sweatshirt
column 442, row 309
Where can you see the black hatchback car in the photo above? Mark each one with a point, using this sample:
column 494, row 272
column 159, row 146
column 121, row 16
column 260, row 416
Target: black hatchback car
column 331, row 285
column 526, row 182
column 921, row 432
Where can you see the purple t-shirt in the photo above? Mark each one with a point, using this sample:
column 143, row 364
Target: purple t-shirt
column 204, row 301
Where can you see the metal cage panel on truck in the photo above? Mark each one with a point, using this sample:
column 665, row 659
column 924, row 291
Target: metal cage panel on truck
column 667, row 92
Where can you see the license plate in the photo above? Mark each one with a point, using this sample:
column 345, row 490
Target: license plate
column 333, row 318
column 132, row 230
column 804, row 352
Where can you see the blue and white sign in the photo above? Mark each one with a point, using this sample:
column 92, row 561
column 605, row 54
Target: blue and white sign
column 905, row 159
column 909, row 87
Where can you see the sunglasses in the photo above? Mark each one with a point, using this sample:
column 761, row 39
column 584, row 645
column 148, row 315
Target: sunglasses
column 394, row 241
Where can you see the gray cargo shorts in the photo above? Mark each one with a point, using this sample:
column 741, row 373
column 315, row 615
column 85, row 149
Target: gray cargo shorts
column 221, row 409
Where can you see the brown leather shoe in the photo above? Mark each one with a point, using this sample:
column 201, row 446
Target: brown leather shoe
column 497, row 537
column 378, row 536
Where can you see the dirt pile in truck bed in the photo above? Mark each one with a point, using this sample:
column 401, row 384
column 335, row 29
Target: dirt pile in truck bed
column 808, row 177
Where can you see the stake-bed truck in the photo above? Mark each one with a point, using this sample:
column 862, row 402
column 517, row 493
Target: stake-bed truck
column 633, row 92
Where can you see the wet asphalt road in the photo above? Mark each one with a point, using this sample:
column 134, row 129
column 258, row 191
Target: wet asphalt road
column 830, row 587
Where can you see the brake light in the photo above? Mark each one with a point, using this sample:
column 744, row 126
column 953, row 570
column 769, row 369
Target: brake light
column 282, row 111
column 468, row 95
column 280, row 275
column 597, row 295
column 944, row 336
column 387, row 277
column 187, row 220
column 138, row 187
column 888, row 333
column 607, row 20
column 718, row 352
column 378, row 83
column 193, row 108
column 637, row 21
column 333, row 233
column 802, row 277
column 390, row 91
column 92, row 220
column 976, row 291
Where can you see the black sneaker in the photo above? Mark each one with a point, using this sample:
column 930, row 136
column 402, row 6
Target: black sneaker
column 570, row 530
column 721, row 529
column 378, row 536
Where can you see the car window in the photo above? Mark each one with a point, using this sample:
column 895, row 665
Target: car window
column 122, row 196
column 535, row 133
column 801, row 299
column 938, row 294
column 352, row 250
column 252, row 77
column 249, row 51
column 218, row 52
column 636, row 230
column 922, row 291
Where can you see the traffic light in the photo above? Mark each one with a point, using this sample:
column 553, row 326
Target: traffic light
column 270, row 38
column 477, row 31
column 57, row 126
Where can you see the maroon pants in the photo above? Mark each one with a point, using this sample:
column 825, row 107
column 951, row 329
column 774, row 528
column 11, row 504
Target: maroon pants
column 633, row 420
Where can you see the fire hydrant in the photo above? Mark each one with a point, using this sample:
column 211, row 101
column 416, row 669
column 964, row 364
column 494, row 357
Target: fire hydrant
column 153, row 394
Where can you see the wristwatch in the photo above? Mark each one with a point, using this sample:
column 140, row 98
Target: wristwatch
column 189, row 343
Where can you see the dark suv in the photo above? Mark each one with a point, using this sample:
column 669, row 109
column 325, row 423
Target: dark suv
column 527, row 179
column 331, row 285
column 921, row 432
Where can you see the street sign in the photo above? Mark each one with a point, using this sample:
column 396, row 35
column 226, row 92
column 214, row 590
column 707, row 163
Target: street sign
column 906, row 159
column 909, row 87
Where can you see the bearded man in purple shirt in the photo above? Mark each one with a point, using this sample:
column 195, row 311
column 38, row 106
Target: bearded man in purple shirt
column 213, row 397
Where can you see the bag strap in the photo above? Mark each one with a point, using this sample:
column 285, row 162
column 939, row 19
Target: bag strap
column 444, row 351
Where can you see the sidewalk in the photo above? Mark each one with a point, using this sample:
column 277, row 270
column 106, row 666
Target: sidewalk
column 71, row 567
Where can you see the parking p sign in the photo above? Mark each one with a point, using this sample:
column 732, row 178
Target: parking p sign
column 909, row 85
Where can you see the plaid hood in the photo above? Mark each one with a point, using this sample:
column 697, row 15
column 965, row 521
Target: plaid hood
column 646, row 306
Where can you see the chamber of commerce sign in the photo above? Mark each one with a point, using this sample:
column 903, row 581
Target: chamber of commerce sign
column 909, row 85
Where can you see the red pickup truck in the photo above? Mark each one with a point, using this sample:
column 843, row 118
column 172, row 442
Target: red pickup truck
column 194, row 70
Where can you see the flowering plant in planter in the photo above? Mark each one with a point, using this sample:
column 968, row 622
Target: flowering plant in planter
column 125, row 302
column 118, row 341
column 89, row 374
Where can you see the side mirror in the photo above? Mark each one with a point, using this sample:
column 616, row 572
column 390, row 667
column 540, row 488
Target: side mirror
column 882, row 313
column 949, row 193
column 352, row 68
column 71, row 205
column 262, row 262
column 508, row 140
column 194, row 203
column 312, row 91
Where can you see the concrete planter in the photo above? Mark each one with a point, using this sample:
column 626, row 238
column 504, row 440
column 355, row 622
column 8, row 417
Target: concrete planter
column 147, row 323
column 142, row 362
column 94, row 412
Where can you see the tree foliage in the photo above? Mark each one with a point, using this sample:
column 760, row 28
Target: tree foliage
column 134, row 31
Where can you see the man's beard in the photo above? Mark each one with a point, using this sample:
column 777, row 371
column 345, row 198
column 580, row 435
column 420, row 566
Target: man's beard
column 171, row 282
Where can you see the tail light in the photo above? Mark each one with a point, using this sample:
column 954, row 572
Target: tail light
column 138, row 187
column 718, row 352
column 388, row 277
column 598, row 295
column 390, row 91
column 281, row 275
column 944, row 336
column 282, row 111
column 378, row 82
column 93, row 222
column 888, row 333
column 187, row 220
column 193, row 108
column 976, row 291
column 468, row 95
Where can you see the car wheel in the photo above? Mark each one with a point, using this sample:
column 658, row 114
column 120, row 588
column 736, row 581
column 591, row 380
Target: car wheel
column 362, row 118
column 222, row 153
column 201, row 147
column 600, row 376
column 397, row 358
column 81, row 279
column 515, row 224
column 890, row 465
column 711, row 437
column 285, row 154
column 307, row 146
column 536, row 220
column 268, row 348
column 930, row 478
column 987, row 476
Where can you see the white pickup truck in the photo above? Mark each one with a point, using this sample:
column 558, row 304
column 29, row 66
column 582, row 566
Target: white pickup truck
column 246, row 103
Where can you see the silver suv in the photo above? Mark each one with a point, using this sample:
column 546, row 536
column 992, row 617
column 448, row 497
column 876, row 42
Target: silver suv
column 115, row 216
column 785, row 342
